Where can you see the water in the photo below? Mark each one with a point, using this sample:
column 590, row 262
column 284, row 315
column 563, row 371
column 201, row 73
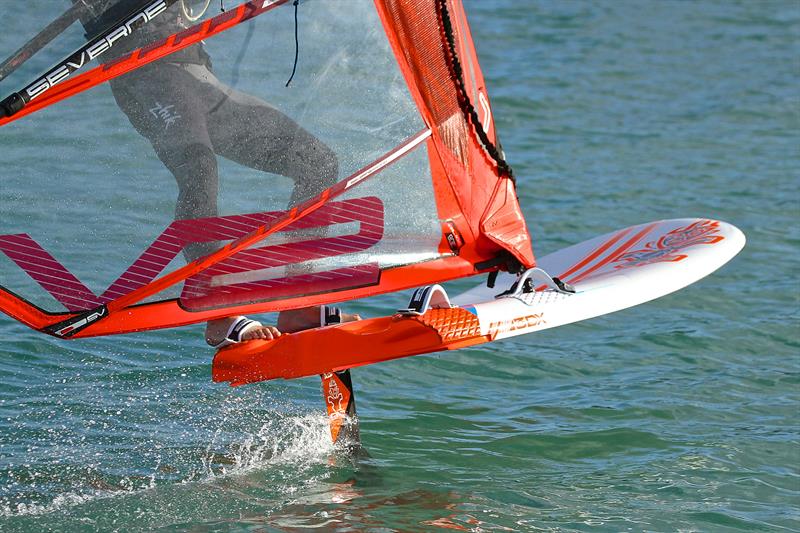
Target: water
column 681, row 414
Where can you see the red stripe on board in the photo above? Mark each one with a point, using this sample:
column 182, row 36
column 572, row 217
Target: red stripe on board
column 591, row 257
column 617, row 253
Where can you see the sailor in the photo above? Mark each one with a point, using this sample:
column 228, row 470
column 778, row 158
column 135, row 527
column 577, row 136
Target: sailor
column 190, row 117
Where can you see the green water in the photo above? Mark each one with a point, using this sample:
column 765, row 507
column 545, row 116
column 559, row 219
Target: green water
column 681, row 414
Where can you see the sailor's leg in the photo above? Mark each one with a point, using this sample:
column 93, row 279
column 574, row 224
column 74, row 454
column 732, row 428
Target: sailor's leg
column 169, row 106
column 282, row 147
column 195, row 170
column 272, row 142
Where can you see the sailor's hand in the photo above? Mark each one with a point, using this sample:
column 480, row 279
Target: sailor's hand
column 266, row 333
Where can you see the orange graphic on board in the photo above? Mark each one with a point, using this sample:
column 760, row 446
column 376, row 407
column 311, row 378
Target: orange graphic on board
column 668, row 247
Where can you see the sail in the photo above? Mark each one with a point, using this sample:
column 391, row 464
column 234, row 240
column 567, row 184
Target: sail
column 188, row 181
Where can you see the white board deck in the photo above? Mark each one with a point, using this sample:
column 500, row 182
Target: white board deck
column 609, row 273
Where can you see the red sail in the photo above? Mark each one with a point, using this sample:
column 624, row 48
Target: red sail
column 397, row 99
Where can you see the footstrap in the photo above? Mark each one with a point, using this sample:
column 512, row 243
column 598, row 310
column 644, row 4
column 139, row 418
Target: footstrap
column 532, row 277
column 424, row 298
column 237, row 329
column 329, row 315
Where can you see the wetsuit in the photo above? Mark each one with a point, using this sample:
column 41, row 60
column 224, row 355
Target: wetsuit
column 190, row 117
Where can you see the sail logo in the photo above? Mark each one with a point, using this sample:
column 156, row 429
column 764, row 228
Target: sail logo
column 94, row 50
column 487, row 112
column 518, row 323
column 76, row 325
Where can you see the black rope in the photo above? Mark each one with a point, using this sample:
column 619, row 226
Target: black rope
column 296, row 44
column 221, row 6
column 467, row 107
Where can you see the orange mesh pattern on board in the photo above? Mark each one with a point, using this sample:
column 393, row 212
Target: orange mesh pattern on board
column 452, row 324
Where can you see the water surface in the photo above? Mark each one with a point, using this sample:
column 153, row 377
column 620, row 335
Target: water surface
column 681, row 414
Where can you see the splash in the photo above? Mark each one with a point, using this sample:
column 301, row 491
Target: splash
column 289, row 450
column 299, row 441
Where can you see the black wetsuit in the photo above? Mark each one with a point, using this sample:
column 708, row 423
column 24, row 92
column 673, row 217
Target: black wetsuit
column 190, row 117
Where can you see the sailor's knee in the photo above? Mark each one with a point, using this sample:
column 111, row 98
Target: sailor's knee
column 319, row 164
column 328, row 165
